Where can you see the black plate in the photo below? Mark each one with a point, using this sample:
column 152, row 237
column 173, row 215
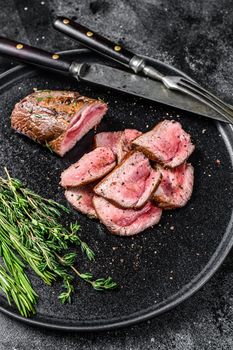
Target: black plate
column 157, row 269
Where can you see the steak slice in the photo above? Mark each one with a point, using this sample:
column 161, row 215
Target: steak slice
column 131, row 183
column 124, row 144
column 81, row 199
column 107, row 139
column 91, row 167
column 57, row 118
column 126, row 222
column 176, row 186
column 167, row 144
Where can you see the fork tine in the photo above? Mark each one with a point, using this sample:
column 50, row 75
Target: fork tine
column 208, row 93
column 208, row 100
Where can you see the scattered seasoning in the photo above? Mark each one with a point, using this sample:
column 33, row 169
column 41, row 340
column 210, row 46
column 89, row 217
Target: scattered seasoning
column 47, row 145
column 39, row 115
column 91, row 216
column 39, row 99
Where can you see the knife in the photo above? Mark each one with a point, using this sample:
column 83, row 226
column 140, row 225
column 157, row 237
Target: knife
column 139, row 65
column 106, row 76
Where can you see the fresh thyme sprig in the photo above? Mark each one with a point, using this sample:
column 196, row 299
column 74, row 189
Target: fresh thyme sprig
column 15, row 283
column 47, row 145
column 31, row 234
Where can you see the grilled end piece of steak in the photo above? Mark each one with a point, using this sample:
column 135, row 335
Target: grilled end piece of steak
column 126, row 222
column 167, row 144
column 131, row 183
column 107, row 139
column 81, row 199
column 57, row 118
column 91, row 167
column 124, row 143
column 176, row 186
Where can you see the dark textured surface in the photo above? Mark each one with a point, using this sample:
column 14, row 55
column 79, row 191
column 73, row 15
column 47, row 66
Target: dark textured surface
column 197, row 37
column 153, row 266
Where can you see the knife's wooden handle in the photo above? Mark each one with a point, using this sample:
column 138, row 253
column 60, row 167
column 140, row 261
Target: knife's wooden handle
column 33, row 55
column 93, row 40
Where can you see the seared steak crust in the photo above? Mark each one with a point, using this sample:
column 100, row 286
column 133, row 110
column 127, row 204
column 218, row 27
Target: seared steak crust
column 56, row 118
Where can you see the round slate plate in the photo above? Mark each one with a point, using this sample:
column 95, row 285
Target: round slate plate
column 155, row 270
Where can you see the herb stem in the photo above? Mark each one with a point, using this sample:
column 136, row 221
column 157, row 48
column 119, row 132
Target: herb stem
column 32, row 235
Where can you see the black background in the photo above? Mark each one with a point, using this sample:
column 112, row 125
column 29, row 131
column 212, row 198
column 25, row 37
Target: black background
column 195, row 36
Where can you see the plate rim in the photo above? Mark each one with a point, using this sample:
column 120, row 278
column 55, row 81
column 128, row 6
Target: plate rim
column 183, row 294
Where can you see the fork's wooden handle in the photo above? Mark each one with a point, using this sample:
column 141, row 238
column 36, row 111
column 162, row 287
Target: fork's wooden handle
column 93, row 40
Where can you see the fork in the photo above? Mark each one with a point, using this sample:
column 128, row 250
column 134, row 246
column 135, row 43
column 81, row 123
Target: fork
column 191, row 88
column 138, row 64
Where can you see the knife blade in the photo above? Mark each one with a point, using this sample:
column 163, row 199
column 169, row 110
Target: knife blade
column 140, row 86
column 106, row 76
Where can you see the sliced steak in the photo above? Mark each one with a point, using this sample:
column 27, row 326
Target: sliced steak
column 176, row 186
column 124, row 143
column 126, row 222
column 57, row 118
column 131, row 183
column 107, row 139
column 91, row 167
column 167, row 144
column 81, row 199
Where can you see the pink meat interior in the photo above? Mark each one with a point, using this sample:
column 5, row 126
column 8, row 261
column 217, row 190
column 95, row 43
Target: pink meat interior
column 127, row 217
column 81, row 123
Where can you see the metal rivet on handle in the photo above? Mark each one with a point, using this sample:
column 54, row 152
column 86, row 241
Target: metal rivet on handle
column 55, row 56
column 117, row 48
column 19, row 46
column 66, row 21
column 90, row 33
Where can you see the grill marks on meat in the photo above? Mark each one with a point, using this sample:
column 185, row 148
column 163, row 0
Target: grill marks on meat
column 130, row 184
column 57, row 118
column 176, row 186
column 107, row 139
column 124, row 143
column 126, row 222
column 81, row 199
column 167, row 144
column 91, row 167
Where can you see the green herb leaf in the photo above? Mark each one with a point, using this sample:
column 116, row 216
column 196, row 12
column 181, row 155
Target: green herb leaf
column 49, row 147
column 31, row 235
